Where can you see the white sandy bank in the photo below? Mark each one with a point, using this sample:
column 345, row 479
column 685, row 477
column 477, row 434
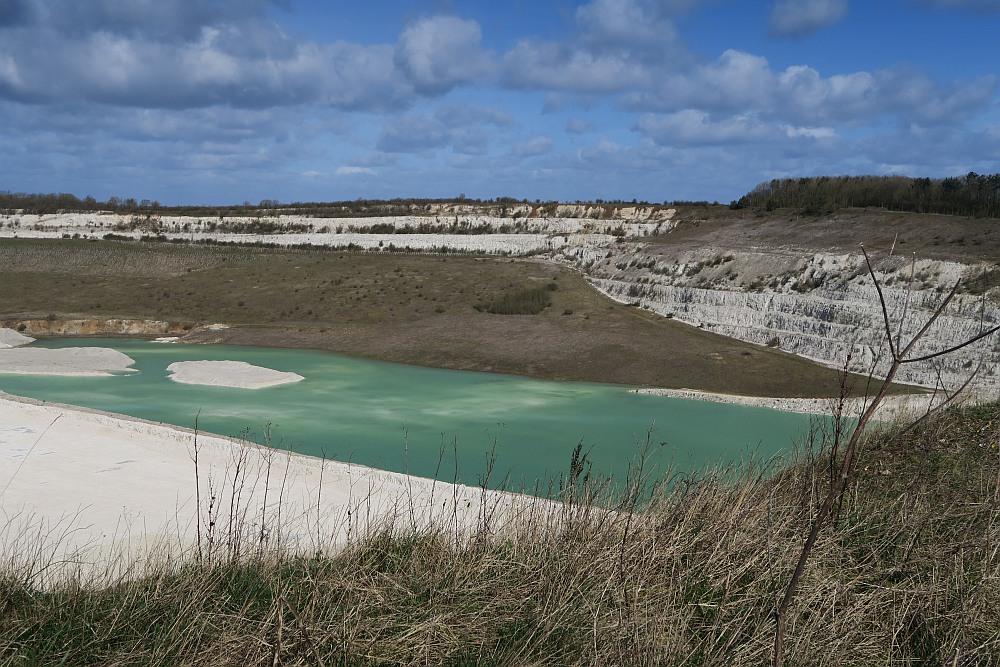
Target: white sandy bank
column 64, row 361
column 892, row 408
column 238, row 374
column 10, row 338
column 79, row 486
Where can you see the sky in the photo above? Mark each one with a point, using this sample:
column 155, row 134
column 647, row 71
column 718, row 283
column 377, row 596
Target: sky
column 226, row 101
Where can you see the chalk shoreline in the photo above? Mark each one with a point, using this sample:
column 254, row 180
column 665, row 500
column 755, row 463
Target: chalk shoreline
column 27, row 360
column 84, row 490
column 892, row 408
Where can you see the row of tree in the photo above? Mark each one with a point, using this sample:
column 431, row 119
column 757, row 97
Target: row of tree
column 974, row 194
column 44, row 204
column 970, row 195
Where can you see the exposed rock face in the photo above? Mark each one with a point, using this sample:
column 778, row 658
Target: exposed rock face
column 98, row 327
column 821, row 306
column 492, row 229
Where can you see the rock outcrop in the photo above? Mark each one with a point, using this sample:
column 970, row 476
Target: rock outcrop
column 99, row 327
column 817, row 305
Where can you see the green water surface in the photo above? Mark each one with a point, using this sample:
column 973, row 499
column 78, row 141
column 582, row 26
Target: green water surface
column 408, row 418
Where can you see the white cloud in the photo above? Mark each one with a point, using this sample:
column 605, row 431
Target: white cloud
column 224, row 52
column 796, row 18
column 117, row 69
column 691, row 127
column 810, row 132
column 739, row 82
column 457, row 127
column 548, row 66
column 617, row 45
column 354, row 171
column 442, row 52
column 156, row 18
column 628, row 24
column 534, row 147
column 578, row 126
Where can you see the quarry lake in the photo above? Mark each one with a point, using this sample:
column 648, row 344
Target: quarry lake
column 421, row 420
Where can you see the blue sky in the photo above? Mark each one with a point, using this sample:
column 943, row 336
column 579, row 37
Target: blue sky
column 225, row 101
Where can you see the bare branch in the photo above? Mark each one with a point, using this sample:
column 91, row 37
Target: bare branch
column 941, row 353
column 881, row 298
column 933, row 318
column 906, row 302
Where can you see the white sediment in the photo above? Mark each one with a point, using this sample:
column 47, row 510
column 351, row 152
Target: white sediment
column 892, row 408
column 236, row 374
column 10, row 338
column 64, row 361
column 97, row 495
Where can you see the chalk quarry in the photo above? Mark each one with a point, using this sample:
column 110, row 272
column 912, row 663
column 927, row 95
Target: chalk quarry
column 814, row 301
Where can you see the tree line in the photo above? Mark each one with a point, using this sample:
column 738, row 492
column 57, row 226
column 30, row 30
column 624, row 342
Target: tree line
column 976, row 195
column 48, row 203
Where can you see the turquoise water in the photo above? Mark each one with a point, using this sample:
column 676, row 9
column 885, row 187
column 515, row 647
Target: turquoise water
column 401, row 418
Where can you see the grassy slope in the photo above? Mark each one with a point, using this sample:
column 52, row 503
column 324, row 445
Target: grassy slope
column 929, row 236
column 406, row 308
column 909, row 575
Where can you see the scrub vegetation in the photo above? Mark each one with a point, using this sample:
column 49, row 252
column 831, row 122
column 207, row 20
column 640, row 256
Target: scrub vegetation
column 674, row 571
column 530, row 301
column 419, row 309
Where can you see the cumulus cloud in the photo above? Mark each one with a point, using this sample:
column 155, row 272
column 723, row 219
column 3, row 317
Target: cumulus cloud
column 246, row 63
column 797, row 18
column 460, row 114
column 117, row 70
column 578, row 126
column 810, row 132
column 442, row 52
column 696, row 128
column 533, row 147
column 354, row 171
column 456, row 127
column 617, row 45
column 739, row 81
column 193, row 53
column 156, row 18
column 626, row 24
column 538, row 65
column 202, row 155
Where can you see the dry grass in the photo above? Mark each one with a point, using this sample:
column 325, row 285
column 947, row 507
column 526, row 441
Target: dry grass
column 685, row 573
column 929, row 235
